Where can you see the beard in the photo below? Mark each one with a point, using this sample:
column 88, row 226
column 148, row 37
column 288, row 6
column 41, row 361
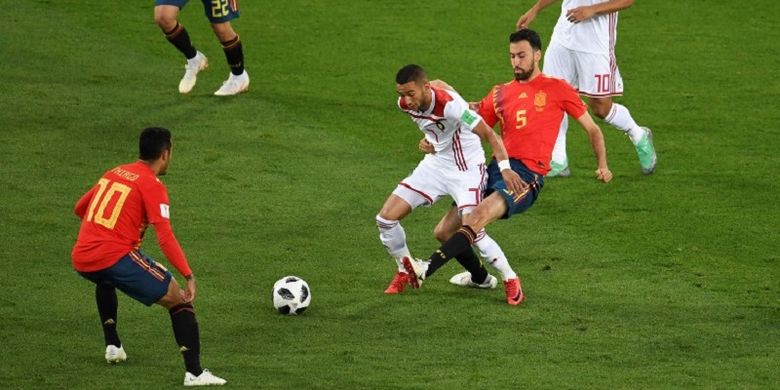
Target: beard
column 523, row 76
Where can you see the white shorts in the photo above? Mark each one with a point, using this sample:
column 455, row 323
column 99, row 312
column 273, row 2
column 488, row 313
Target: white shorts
column 594, row 75
column 428, row 183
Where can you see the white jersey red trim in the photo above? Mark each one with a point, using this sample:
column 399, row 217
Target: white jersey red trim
column 595, row 35
column 447, row 125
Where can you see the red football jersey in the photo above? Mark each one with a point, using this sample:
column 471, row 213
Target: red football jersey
column 114, row 216
column 530, row 115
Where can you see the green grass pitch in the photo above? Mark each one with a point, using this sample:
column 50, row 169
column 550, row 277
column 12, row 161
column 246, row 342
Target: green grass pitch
column 660, row 282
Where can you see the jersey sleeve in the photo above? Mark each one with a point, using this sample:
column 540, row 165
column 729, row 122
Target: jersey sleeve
column 156, row 204
column 159, row 215
column 457, row 110
column 81, row 206
column 570, row 99
column 487, row 109
column 171, row 248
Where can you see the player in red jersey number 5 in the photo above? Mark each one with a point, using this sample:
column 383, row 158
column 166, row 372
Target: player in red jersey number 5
column 529, row 110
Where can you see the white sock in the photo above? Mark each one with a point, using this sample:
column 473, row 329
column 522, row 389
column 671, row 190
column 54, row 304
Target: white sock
column 620, row 117
column 393, row 237
column 490, row 251
column 559, row 152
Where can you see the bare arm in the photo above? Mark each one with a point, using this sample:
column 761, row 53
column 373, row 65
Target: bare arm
column 525, row 19
column 579, row 14
column 175, row 255
column 512, row 180
column 487, row 134
column 597, row 143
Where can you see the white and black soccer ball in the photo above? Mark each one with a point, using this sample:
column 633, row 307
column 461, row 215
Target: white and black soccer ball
column 291, row 295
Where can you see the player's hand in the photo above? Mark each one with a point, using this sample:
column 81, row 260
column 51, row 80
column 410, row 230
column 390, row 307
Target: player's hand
column 189, row 290
column 579, row 14
column 513, row 181
column 525, row 19
column 426, row 147
column 474, row 106
column 604, row 174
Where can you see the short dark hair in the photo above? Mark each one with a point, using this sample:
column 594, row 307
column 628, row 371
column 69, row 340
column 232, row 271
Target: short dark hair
column 526, row 35
column 153, row 142
column 409, row 73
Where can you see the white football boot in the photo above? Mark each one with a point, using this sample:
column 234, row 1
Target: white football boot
column 206, row 378
column 115, row 355
column 463, row 279
column 193, row 67
column 234, row 85
column 416, row 270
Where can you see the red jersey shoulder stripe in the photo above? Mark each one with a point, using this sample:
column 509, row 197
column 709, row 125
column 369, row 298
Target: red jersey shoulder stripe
column 441, row 100
column 496, row 105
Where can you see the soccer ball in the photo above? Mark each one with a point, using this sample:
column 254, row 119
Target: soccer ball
column 291, row 295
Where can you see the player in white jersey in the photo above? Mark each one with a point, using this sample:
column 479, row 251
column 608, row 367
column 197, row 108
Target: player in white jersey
column 456, row 168
column 582, row 52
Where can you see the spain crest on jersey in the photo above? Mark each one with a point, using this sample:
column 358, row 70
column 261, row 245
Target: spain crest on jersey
column 540, row 100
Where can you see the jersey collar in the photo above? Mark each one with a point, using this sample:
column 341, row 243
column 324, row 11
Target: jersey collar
column 432, row 105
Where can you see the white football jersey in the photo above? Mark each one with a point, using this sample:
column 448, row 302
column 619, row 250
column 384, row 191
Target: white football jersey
column 595, row 35
column 448, row 125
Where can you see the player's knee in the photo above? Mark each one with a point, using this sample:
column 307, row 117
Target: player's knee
column 224, row 31
column 387, row 215
column 600, row 113
column 441, row 233
column 601, row 108
column 165, row 22
column 475, row 219
column 174, row 296
column 171, row 299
